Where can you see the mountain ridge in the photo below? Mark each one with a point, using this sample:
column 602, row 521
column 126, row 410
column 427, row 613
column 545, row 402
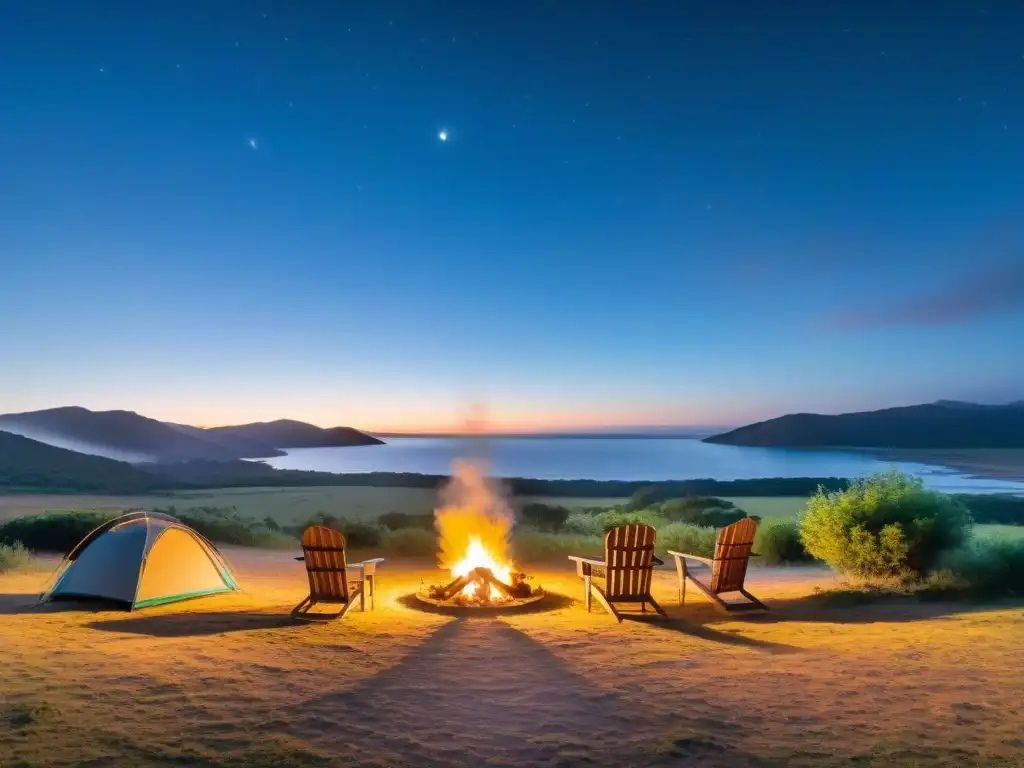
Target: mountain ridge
column 131, row 437
column 942, row 424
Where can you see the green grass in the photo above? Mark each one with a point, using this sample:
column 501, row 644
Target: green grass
column 770, row 506
column 1006, row 532
column 285, row 505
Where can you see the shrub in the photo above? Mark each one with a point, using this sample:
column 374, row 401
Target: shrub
column 358, row 533
column 223, row 525
column 534, row 546
column 395, row 521
column 986, row 566
column 544, row 517
column 409, row 542
column 885, row 526
column 642, row 498
column 688, row 539
column 57, row 531
column 584, row 524
column 778, row 541
column 706, row 511
column 14, row 557
column 994, row 508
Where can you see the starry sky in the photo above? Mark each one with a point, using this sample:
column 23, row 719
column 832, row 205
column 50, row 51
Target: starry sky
column 686, row 213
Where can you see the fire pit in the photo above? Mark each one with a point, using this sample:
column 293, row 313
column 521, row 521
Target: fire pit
column 474, row 524
column 480, row 588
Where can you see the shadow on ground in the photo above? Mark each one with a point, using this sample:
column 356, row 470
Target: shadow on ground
column 28, row 603
column 845, row 607
column 197, row 623
column 477, row 691
column 703, row 632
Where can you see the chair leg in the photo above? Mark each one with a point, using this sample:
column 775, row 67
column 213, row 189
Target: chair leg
column 607, row 605
column 681, row 574
column 586, row 591
column 348, row 606
column 371, row 578
column 362, row 598
column 655, row 606
column 753, row 599
column 302, row 607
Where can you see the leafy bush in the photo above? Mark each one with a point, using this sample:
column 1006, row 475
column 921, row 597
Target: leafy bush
column 535, row 546
column 395, row 521
column 223, row 525
column 14, row 557
column 544, row 517
column 986, row 566
column 706, row 511
column 778, row 541
column 994, row 508
column 57, row 531
column 885, row 526
column 584, row 524
column 409, row 542
column 642, row 498
column 688, row 539
column 358, row 533
column 597, row 525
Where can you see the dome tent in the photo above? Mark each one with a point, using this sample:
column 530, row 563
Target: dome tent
column 142, row 559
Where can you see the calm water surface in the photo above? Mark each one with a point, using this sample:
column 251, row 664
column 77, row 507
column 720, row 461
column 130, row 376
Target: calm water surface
column 618, row 459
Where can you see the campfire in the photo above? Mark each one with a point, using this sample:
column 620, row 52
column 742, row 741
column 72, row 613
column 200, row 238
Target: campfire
column 474, row 524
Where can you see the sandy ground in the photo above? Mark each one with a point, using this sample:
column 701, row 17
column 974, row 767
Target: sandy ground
column 230, row 680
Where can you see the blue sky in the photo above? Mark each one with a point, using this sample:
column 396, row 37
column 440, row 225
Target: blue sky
column 237, row 211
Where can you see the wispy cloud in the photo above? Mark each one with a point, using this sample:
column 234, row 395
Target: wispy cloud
column 983, row 293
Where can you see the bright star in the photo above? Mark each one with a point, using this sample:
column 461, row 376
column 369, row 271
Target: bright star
column 443, row 135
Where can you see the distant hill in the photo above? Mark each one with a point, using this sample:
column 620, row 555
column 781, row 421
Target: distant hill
column 121, row 435
column 131, row 437
column 240, row 446
column 286, row 433
column 30, row 464
column 944, row 424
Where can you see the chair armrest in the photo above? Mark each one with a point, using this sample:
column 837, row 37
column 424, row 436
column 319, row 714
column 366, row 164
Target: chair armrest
column 678, row 555
column 588, row 561
column 367, row 567
column 585, row 566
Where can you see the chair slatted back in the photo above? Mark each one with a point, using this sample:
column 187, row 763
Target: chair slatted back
column 629, row 554
column 324, row 550
column 732, row 553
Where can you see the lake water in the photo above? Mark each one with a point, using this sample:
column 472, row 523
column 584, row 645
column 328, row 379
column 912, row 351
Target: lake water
column 619, row 459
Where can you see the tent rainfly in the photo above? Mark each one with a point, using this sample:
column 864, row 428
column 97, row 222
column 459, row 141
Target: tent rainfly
column 142, row 559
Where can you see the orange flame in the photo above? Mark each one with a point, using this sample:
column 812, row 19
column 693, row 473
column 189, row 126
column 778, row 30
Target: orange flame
column 474, row 523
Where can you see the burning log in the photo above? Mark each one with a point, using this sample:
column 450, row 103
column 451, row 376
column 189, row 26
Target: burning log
column 481, row 580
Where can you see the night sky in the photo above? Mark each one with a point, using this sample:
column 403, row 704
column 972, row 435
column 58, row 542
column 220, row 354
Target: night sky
column 676, row 212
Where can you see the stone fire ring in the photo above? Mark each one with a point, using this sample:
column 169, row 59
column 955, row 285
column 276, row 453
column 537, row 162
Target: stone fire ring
column 509, row 606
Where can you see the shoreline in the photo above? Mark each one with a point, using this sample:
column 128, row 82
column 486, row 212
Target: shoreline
column 979, row 463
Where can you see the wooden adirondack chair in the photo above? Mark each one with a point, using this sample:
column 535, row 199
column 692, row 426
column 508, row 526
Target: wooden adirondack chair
column 726, row 571
column 323, row 549
column 626, row 570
